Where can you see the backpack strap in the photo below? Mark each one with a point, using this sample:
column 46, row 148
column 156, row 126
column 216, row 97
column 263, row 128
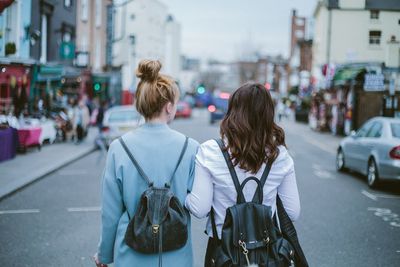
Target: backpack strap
column 232, row 171
column 263, row 179
column 185, row 145
column 132, row 158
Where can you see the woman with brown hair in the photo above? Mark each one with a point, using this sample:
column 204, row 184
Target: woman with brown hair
column 252, row 140
column 151, row 157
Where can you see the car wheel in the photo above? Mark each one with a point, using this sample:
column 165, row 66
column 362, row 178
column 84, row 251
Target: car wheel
column 372, row 174
column 340, row 163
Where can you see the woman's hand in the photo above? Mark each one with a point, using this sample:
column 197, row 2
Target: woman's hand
column 97, row 261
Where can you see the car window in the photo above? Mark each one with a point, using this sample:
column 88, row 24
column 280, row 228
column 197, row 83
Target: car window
column 395, row 129
column 376, row 130
column 362, row 132
column 123, row 116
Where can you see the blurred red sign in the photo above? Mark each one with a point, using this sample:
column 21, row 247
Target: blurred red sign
column 4, row 4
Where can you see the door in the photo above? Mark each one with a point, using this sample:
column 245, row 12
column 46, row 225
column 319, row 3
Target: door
column 353, row 153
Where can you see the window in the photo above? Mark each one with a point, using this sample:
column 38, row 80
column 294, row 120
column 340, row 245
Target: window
column 98, row 13
column 376, row 130
column 375, row 37
column 67, row 37
column 84, row 10
column 395, row 129
column 374, row 14
column 364, row 129
column 67, row 3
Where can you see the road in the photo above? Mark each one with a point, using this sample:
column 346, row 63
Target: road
column 56, row 221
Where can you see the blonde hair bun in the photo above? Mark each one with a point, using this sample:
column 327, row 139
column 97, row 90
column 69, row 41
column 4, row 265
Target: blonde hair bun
column 148, row 70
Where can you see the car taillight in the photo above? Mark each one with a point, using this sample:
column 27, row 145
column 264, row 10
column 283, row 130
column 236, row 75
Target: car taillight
column 212, row 108
column 395, row 153
column 105, row 129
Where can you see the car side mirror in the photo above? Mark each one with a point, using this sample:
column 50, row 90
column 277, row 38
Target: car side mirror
column 353, row 134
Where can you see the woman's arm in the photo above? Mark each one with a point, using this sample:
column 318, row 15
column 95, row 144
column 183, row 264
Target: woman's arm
column 199, row 201
column 288, row 191
column 112, row 208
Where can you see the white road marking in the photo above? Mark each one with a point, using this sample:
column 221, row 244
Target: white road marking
column 319, row 145
column 84, row 209
column 19, row 211
column 387, row 196
column 387, row 215
column 369, row 195
column 317, row 167
column 323, row 174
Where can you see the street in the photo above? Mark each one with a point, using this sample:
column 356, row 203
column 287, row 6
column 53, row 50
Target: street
column 56, row 220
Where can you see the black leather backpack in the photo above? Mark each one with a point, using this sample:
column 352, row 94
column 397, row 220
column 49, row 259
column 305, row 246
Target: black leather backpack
column 160, row 221
column 249, row 233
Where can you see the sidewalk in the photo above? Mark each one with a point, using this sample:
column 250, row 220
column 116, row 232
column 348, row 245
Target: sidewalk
column 27, row 168
column 323, row 140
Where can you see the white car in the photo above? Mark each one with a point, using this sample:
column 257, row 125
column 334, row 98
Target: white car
column 118, row 121
column 374, row 150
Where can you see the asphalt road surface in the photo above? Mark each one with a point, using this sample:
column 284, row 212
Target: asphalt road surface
column 56, row 221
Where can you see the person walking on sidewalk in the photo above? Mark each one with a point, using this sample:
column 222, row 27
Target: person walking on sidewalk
column 81, row 120
column 253, row 141
column 149, row 152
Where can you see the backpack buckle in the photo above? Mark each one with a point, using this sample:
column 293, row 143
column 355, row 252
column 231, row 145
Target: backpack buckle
column 155, row 228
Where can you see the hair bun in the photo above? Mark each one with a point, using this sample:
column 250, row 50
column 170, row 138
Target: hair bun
column 148, row 70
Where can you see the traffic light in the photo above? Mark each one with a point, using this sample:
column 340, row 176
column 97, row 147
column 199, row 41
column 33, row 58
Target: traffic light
column 201, row 89
column 97, row 87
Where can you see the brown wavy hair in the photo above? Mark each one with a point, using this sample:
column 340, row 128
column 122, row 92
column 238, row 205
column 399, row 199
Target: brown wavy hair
column 250, row 131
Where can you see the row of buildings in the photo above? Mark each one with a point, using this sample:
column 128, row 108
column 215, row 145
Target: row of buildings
column 343, row 63
column 55, row 50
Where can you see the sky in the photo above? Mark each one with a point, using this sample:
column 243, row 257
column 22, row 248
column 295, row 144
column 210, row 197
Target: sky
column 227, row 29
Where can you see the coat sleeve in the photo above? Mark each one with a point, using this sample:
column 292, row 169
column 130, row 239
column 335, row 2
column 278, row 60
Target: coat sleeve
column 112, row 208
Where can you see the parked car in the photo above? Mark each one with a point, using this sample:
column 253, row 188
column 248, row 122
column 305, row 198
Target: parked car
column 374, row 150
column 119, row 120
column 218, row 107
column 183, row 110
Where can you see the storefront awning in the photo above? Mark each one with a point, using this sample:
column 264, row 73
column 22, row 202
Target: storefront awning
column 342, row 76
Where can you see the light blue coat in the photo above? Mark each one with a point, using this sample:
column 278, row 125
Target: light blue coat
column 156, row 147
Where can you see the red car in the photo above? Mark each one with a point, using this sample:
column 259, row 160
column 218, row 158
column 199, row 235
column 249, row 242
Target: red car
column 183, row 110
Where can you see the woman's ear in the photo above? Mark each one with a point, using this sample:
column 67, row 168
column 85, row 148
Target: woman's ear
column 169, row 108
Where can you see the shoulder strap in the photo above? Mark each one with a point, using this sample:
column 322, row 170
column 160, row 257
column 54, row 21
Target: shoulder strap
column 185, row 145
column 132, row 158
column 263, row 179
column 231, row 169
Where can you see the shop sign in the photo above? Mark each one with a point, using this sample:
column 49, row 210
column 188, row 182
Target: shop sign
column 374, row 82
column 67, row 50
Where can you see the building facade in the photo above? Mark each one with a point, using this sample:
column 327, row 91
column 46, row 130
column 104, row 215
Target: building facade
column 369, row 37
column 53, row 29
column 144, row 30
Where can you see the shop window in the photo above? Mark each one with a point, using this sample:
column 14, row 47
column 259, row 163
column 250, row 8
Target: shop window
column 3, row 91
column 374, row 14
column 375, row 37
column 84, row 10
column 67, row 3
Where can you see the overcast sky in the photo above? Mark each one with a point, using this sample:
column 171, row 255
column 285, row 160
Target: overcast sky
column 224, row 29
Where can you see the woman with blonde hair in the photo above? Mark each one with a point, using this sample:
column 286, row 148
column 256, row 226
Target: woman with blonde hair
column 151, row 152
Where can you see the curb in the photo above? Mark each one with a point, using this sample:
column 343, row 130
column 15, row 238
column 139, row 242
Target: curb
column 19, row 185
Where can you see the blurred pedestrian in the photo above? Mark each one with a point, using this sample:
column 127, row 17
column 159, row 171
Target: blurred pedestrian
column 280, row 108
column 81, row 121
column 156, row 149
column 100, row 114
column 254, row 144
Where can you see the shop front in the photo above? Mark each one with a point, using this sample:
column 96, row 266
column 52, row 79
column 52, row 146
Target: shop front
column 357, row 93
column 15, row 82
